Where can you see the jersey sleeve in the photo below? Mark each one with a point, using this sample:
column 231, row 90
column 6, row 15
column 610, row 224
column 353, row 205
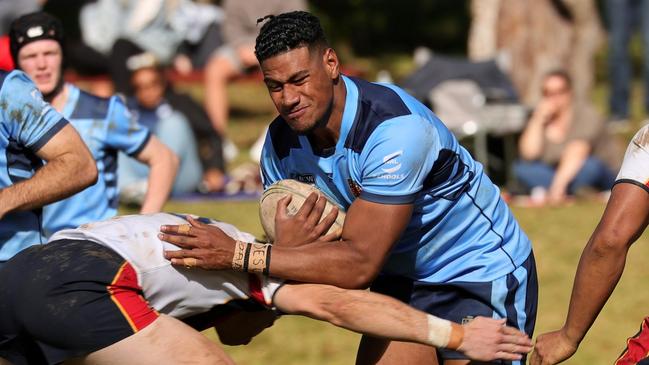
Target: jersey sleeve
column 397, row 159
column 30, row 120
column 635, row 167
column 125, row 133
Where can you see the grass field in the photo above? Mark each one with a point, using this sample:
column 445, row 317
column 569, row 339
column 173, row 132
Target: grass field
column 558, row 236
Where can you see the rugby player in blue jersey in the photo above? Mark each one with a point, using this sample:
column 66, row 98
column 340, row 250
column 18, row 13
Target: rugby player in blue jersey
column 424, row 222
column 32, row 131
column 105, row 124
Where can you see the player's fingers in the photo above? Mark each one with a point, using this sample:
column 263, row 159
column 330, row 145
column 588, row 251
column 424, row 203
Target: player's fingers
column 516, row 348
column 327, row 221
column 519, row 339
column 178, row 240
column 508, row 355
column 330, row 237
column 316, row 212
column 195, row 222
column 308, row 205
column 169, row 228
column 177, row 255
column 282, row 207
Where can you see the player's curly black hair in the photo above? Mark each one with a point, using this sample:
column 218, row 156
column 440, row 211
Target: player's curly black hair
column 287, row 31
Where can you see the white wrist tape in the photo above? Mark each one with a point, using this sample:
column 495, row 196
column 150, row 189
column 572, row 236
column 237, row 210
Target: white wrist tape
column 439, row 331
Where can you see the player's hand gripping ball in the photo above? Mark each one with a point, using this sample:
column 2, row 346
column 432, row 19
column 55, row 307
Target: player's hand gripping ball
column 299, row 192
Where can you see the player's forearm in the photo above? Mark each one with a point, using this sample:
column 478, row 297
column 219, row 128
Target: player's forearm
column 58, row 179
column 599, row 270
column 334, row 263
column 366, row 312
column 163, row 166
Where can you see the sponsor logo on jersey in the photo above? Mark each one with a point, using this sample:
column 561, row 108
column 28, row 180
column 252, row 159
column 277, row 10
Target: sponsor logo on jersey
column 354, row 187
column 391, row 161
column 304, row 178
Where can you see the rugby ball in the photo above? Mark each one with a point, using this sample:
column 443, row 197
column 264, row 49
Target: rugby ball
column 299, row 192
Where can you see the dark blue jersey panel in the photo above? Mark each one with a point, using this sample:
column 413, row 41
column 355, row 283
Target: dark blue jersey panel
column 90, row 107
column 376, row 104
column 282, row 137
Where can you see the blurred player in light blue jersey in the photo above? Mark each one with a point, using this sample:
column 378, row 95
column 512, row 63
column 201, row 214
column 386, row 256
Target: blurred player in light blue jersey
column 32, row 131
column 105, row 125
column 424, row 223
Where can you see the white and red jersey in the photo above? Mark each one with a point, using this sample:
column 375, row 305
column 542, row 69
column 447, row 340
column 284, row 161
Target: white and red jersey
column 173, row 290
column 635, row 168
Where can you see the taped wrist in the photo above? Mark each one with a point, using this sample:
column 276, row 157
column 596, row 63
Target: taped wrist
column 251, row 257
column 442, row 333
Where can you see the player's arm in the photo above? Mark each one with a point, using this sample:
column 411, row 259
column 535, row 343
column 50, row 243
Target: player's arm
column 163, row 165
column 373, row 224
column 599, row 270
column 69, row 169
column 370, row 231
column 378, row 315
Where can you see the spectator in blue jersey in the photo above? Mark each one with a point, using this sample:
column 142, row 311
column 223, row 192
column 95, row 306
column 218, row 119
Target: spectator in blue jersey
column 32, row 131
column 424, row 222
column 105, row 125
column 153, row 111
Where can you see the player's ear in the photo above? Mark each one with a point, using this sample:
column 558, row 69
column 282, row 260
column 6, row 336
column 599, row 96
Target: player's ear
column 330, row 61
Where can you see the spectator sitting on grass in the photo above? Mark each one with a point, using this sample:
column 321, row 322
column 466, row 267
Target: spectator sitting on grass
column 557, row 146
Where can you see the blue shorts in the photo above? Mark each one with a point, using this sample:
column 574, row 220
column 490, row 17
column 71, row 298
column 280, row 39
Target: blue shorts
column 513, row 296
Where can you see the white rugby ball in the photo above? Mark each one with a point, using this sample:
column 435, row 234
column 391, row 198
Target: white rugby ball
column 299, row 192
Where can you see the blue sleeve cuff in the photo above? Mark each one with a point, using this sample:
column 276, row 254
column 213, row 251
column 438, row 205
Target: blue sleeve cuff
column 139, row 149
column 387, row 199
column 56, row 128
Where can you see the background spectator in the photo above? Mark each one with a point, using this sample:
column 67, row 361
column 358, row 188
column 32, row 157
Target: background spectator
column 557, row 145
column 624, row 16
column 152, row 111
column 237, row 55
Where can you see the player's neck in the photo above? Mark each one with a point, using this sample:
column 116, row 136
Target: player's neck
column 327, row 136
column 60, row 98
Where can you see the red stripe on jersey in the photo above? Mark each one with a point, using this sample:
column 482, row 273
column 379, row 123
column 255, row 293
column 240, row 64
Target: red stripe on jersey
column 127, row 295
column 255, row 289
column 637, row 347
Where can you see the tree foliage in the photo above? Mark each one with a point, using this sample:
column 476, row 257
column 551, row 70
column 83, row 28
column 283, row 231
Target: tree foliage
column 372, row 27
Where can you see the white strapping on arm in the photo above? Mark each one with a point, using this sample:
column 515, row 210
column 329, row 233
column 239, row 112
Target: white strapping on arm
column 439, row 331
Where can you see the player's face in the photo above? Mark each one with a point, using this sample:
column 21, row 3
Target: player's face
column 41, row 60
column 301, row 84
column 148, row 86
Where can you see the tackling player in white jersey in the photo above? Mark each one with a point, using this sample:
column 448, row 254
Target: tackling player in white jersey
column 104, row 294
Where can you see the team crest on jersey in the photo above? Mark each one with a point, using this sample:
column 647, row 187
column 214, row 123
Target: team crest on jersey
column 354, row 187
column 304, row 178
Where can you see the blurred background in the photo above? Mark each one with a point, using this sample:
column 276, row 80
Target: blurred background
column 490, row 69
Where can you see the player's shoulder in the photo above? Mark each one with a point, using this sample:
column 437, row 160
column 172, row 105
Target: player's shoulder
column 641, row 138
column 380, row 107
column 282, row 137
column 15, row 81
column 90, row 106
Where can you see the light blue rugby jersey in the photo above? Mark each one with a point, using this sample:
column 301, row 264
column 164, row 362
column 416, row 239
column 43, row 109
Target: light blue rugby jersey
column 27, row 123
column 106, row 126
column 394, row 150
